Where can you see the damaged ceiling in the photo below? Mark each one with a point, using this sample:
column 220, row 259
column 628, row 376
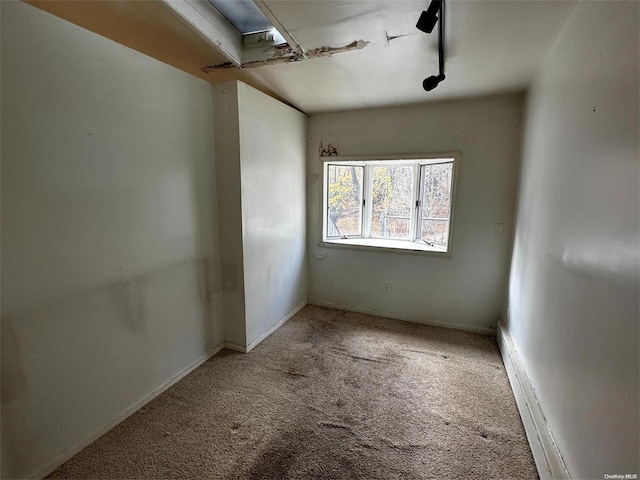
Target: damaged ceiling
column 361, row 53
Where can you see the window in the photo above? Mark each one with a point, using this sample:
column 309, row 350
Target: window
column 390, row 203
column 244, row 15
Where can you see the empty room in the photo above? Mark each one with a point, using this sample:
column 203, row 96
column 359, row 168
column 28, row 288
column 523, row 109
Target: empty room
column 336, row 239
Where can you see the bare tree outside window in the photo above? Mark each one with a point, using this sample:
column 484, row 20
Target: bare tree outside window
column 391, row 197
column 387, row 202
column 345, row 200
column 436, row 203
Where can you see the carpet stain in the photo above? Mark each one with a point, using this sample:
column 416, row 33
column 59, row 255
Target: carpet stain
column 337, row 425
column 274, row 461
column 343, row 352
column 366, row 359
column 405, row 448
column 424, row 352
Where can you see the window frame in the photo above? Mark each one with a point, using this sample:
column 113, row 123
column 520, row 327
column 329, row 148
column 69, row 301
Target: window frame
column 365, row 241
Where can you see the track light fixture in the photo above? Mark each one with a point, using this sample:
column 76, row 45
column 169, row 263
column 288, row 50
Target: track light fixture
column 428, row 18
column 432, row 82
column 426, row 23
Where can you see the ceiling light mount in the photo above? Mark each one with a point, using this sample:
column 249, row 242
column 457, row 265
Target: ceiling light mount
column 428, row 18
column 426, row 23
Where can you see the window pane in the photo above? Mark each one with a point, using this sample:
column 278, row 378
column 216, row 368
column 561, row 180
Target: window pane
column 243, row 14
column 391, row 202
column 345, row 201
column 436, row 203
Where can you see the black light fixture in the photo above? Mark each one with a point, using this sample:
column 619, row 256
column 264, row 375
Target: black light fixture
column 432, row 82
column 428, row 19
column 426, row 23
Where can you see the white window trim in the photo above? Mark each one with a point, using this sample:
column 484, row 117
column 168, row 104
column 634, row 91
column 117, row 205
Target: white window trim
column 396, row 245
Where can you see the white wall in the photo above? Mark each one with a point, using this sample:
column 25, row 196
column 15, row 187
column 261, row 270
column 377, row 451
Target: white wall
column 573, row 293
column 109, row 232
column 273, row 166
column 229, row 190
column 261, row 158
column 465, row 290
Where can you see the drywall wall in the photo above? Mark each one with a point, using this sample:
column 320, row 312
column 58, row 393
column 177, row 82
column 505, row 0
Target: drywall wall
column 261, row 158
column 229, row 191
column 464, row 290
column 110, row 281
column 573, row 292
column 273, row 166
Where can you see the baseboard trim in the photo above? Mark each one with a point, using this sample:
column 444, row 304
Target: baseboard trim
column 546, row 454
column 281, row 322
column 60, row 459
column 407, row 318
column 236, row 347
column 247, row 348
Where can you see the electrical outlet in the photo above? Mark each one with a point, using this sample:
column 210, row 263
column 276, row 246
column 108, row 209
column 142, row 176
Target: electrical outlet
column 498, row 230
column 386, row 289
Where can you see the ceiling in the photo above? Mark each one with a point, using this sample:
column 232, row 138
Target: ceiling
column 491, row 47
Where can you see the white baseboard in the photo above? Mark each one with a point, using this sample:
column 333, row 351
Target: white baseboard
column 543, row 446
column 246, row 349
column 236, row 347
column 60, row 459
column 407, row 318
column 257, row 341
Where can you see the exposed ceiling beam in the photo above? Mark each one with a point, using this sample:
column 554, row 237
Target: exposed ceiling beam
column 275, row 21
column 211, row 25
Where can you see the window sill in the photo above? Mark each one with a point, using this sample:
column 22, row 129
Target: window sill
column 399, row 246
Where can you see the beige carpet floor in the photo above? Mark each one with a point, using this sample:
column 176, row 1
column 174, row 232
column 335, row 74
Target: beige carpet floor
column 331, row 394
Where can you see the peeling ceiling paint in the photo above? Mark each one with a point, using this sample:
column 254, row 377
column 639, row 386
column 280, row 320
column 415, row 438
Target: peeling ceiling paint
column 285, row 54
